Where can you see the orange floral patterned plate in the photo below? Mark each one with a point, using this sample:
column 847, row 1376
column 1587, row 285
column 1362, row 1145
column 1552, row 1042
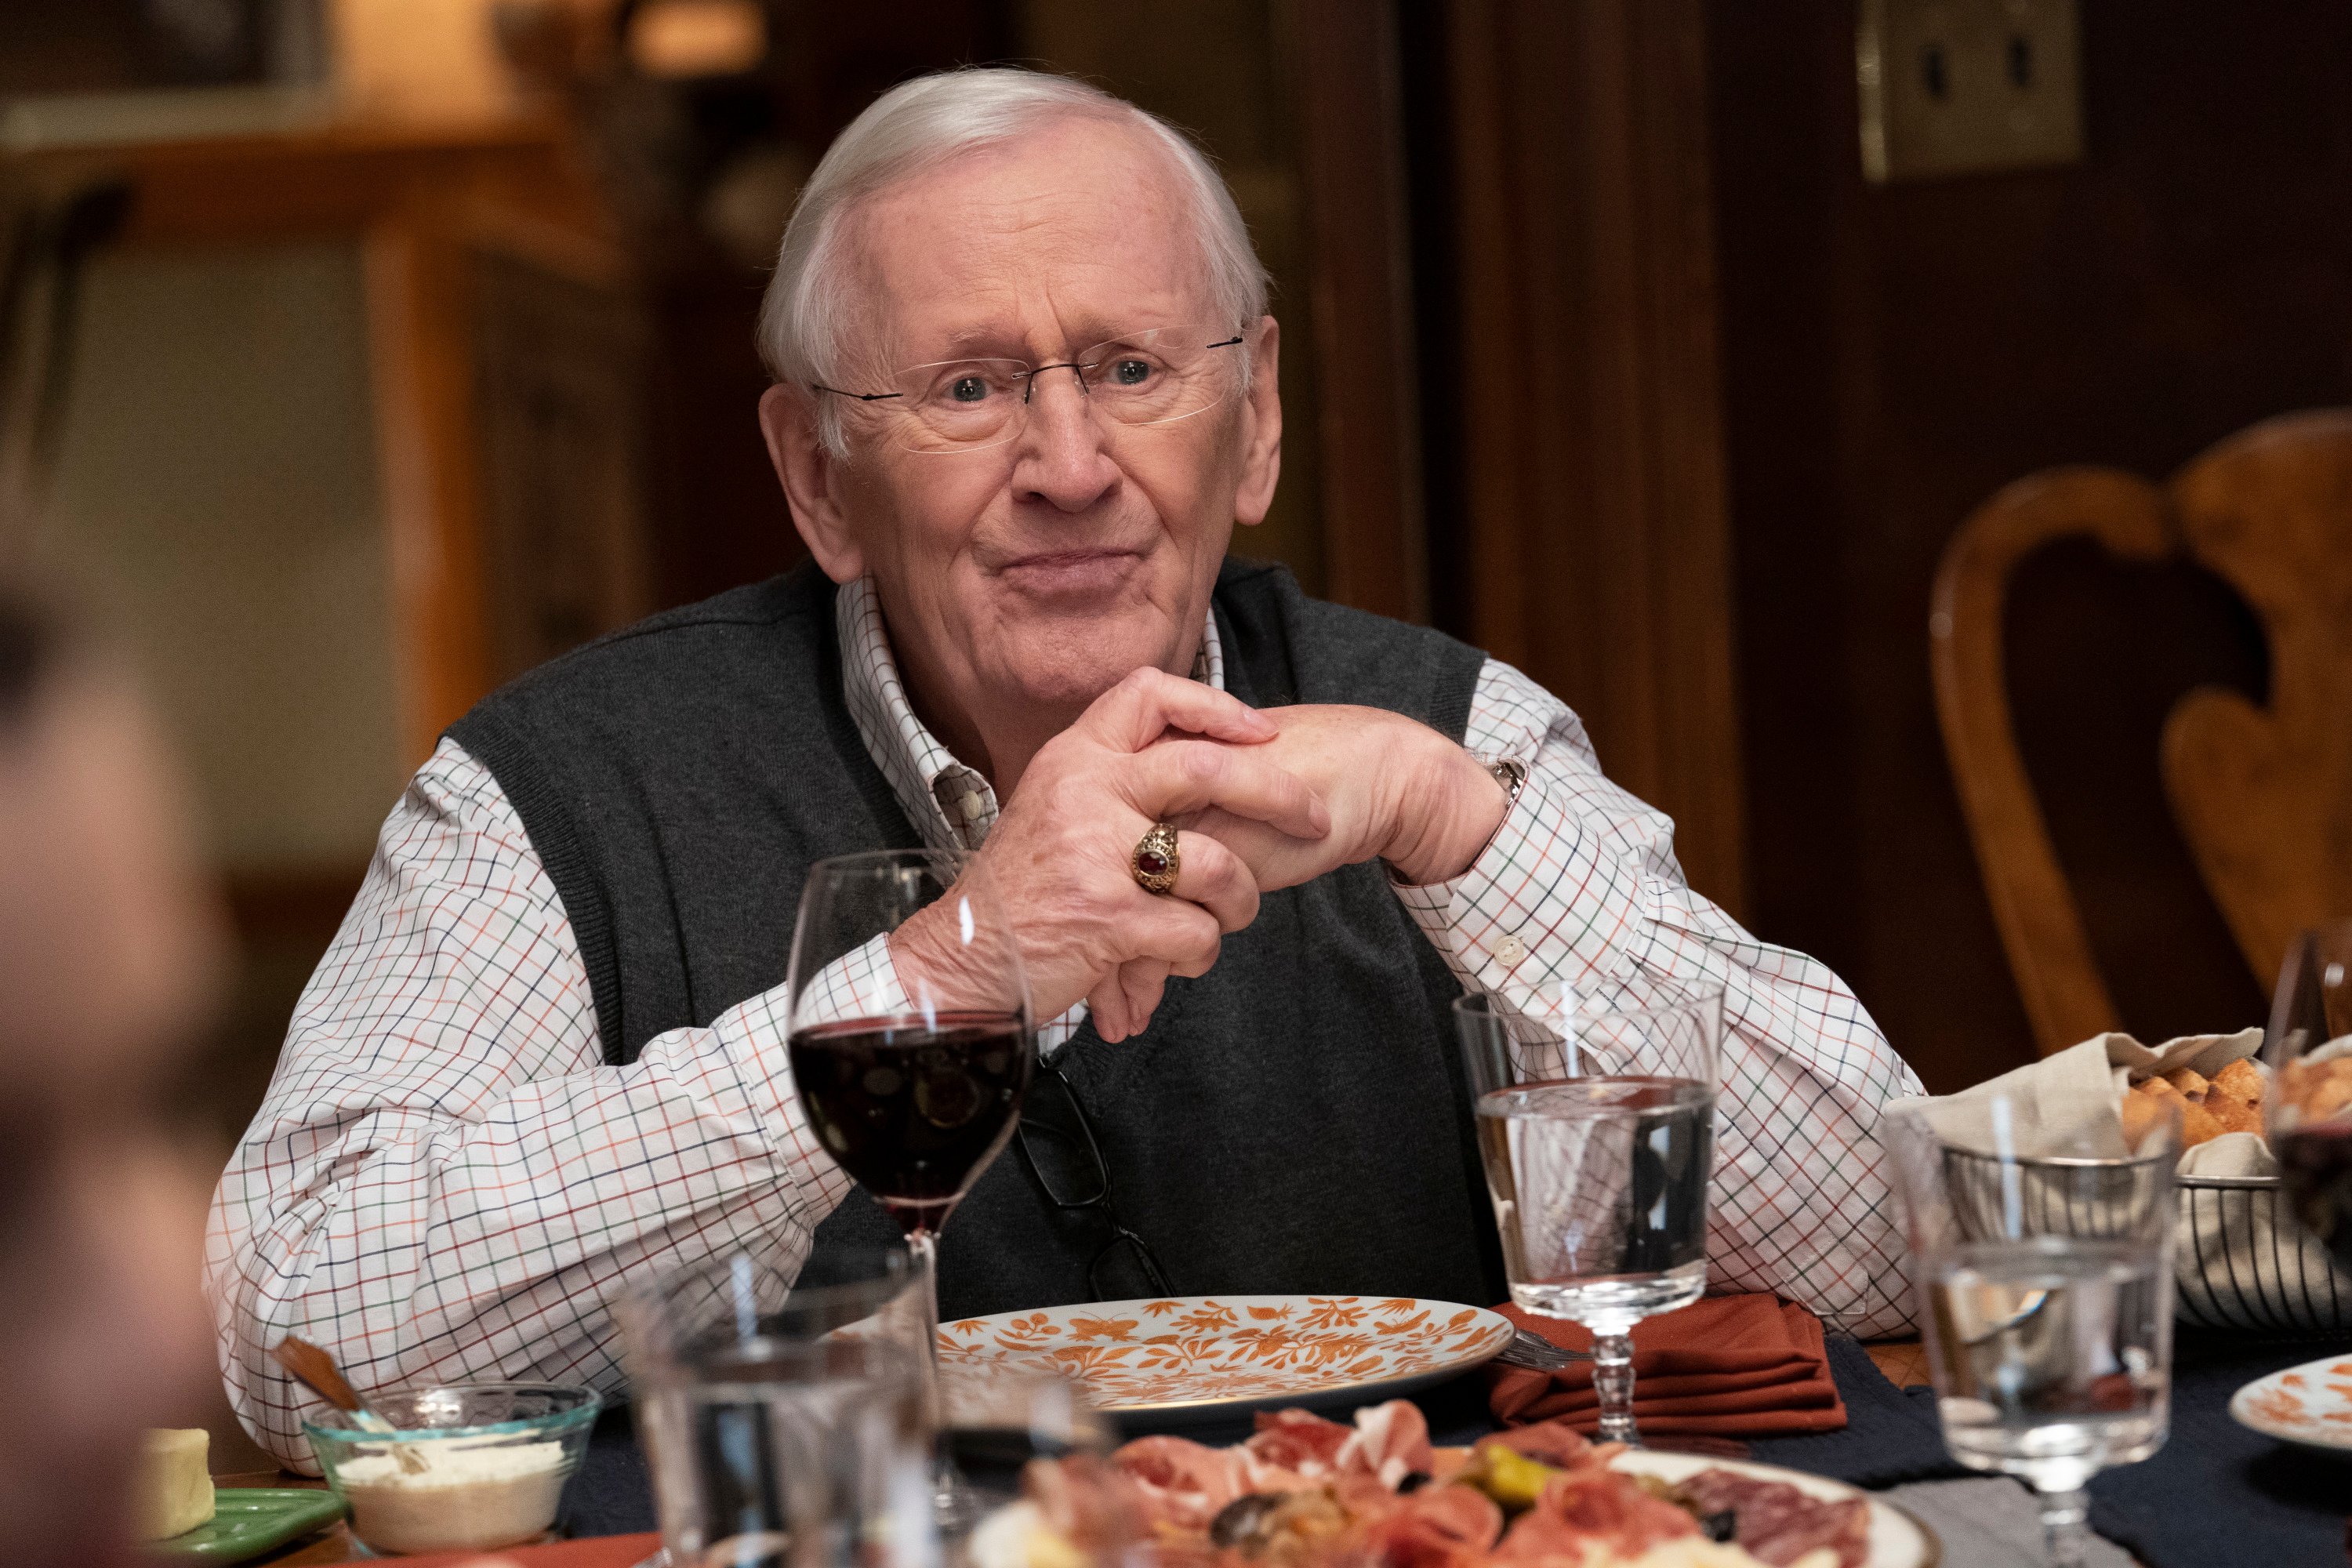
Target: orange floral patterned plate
column 2311, row 1404
column 1211, row 1357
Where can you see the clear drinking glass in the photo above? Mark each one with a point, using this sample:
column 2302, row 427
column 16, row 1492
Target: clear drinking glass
column 1598, row 1131
column 911, row 1047
column 2045, row 1287
column 2309, row 1049
column 784, row 1423
column 999, row 1418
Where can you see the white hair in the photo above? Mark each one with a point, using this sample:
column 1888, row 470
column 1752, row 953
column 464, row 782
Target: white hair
column 807, row 319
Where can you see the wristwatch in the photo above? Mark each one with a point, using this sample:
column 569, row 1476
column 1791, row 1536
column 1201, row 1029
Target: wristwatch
column 1510, row 775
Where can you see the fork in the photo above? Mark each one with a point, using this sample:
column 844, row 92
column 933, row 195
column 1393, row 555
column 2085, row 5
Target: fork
column 1538, row 1355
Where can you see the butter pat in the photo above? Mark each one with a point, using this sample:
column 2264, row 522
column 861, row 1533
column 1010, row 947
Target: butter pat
column 175, row 1483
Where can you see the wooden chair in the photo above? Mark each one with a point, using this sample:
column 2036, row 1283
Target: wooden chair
column 2263, row 796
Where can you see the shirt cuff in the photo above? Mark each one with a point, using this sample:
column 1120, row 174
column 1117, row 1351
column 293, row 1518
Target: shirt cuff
column 860, row 984
column 750, row 1069
column 1542, row 904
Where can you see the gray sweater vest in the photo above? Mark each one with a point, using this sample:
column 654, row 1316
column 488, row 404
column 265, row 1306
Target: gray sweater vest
column 1294, row 1120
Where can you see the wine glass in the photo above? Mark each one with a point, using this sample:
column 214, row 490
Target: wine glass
column 1000, row 1417
column 1034, row 1445
column 1598, row 1131
column 2045, row 1286
column 2309, row 1048
column 911, row 1047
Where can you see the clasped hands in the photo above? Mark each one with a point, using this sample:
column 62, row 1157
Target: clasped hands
column 1261, row 799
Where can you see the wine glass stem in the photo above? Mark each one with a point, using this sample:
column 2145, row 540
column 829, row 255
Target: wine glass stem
column 924, row 1245
column 2062, row 1516
column 1612, row 1385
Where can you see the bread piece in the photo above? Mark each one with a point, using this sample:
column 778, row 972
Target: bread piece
column 2243, row 1080
column 2141, row 1111
column 2191, row 1083
column 2198, row 1125
column 176, row 1486
column 2235, row 1115
column 2331, row 1092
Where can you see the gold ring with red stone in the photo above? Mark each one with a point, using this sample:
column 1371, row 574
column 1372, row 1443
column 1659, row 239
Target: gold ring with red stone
column 1155, row 861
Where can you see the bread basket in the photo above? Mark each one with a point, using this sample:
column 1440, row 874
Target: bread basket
column 2240, row 1261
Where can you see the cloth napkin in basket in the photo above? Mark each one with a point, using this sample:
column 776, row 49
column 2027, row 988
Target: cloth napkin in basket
column 1725, row 1366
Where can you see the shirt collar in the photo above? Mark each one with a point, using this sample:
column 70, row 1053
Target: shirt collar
column 950, row 804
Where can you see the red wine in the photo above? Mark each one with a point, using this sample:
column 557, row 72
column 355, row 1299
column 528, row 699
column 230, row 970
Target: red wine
column 912, row 1108
column 2316, row 1165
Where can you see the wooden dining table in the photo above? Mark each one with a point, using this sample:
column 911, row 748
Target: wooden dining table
column 1904, row 1363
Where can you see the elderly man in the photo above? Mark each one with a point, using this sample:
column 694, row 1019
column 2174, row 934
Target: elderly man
column 1026, row 385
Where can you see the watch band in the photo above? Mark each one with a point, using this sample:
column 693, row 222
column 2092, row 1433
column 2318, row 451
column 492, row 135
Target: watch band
column 1510, row 775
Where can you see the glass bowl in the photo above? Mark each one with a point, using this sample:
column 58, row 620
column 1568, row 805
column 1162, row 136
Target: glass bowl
column 496, row 1456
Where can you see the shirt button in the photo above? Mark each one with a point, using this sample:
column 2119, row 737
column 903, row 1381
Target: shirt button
column 971, row 807
column 1510, row 950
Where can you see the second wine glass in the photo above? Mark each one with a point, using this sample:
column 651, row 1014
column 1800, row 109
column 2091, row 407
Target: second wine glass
column 911, row 1045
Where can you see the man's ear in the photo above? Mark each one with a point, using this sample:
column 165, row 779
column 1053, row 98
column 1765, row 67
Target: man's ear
column 1261, row 427
column 808, row 473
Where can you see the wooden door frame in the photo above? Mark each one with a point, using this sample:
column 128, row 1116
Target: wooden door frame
column 1349, row 131
column 1586, row 383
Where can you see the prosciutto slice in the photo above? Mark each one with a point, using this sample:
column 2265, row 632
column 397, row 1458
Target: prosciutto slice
column 1298, row 1443
column 1592, row 1507
column 1437, row 1526
column 1180, row 1482
column 1391, row 1442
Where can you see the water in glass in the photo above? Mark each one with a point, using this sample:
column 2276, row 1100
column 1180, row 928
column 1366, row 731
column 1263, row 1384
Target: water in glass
column 1600, row 1193
column 2050, row 1355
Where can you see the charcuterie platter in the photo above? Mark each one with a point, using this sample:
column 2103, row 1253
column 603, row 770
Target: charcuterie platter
column 1307, row 1493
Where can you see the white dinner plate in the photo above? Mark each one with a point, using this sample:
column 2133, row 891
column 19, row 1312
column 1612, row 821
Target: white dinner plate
column 1210, row 1358
column 2310, row 1405
column 1896, row 1540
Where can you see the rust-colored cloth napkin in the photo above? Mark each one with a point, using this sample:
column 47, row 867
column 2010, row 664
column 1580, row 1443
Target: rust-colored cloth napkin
column 1725, row 1366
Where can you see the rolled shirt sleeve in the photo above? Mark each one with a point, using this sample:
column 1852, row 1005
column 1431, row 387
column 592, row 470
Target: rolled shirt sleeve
column 447, row 1181
column 1580, row 885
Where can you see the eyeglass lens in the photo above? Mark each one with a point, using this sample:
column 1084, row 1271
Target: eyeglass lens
column 1153, row 377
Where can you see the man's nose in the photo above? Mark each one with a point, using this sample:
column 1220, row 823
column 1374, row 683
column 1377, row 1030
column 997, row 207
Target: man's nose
column 1063, row 461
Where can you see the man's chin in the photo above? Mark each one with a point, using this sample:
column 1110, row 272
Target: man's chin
column 1064, row 667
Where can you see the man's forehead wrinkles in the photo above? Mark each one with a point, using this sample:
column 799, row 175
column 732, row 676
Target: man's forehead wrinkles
column 1033, row 252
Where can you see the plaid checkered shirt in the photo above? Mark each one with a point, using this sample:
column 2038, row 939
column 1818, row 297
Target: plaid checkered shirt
column 446, row 1182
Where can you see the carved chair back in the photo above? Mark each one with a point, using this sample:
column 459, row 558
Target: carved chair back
column 2263, row 795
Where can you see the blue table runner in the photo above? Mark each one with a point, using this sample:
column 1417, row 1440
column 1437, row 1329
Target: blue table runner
column 2215, row 1494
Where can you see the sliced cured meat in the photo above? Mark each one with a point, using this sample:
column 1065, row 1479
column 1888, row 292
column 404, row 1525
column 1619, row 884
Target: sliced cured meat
column 1438, row 1527
column 1779, row 1523
column 1088, row 1502
column 1390, row 1441
column 1299, row 1441
column 1180, row 1482
column 1554, row 1443
column 1593, row 1507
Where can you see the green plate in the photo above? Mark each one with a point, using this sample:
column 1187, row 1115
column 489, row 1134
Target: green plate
column 249, row 1520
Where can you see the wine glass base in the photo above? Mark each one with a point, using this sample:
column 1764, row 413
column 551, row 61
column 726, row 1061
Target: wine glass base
column 957, row 1507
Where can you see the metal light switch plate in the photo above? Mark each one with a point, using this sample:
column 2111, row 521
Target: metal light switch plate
column 1964, row 86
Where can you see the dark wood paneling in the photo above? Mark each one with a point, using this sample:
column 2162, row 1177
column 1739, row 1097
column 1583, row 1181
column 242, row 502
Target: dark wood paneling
column 1894, row 356
column 1583, row 381
column 1350, row 132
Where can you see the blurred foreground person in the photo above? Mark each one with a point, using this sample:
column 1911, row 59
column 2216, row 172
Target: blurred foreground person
column 106, row 950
